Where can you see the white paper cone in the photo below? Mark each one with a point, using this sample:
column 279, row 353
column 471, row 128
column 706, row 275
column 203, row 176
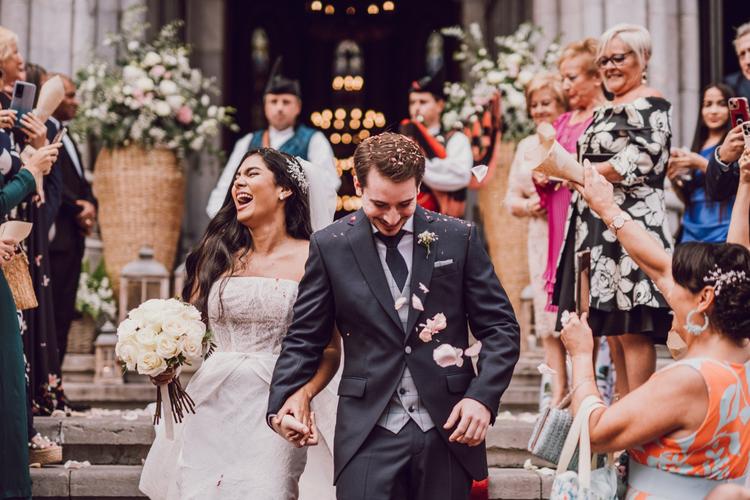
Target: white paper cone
column 551, row 159
column 166, row 412
column 50, row 97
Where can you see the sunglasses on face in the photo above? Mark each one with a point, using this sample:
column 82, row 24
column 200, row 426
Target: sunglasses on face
column 615, row 59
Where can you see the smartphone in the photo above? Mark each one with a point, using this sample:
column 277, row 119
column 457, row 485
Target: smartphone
column 739, row 111
column 60, row 134
column 23, row 98
column 583, row 281
column 746, row 133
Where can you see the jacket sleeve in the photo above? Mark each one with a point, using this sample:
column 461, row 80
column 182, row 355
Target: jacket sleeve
column 309, row 333
column 16, row 191
column 492, row 321
column 721, row 182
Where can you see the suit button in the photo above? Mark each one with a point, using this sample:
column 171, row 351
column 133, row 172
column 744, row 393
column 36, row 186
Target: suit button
column 411, row 409
column 407, row 349
column 402, row 391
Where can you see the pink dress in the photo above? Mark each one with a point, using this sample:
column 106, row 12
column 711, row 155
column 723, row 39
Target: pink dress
column 556, row 199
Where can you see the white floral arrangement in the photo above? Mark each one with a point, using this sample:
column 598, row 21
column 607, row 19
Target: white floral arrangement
column 150, row 96
column 508, row 73
column 94, row 297
column 158, row 337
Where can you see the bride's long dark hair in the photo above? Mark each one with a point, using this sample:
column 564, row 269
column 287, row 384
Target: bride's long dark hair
column 226, row 238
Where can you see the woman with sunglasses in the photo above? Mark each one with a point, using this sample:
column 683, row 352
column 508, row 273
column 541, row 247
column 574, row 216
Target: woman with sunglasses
column 628, row 143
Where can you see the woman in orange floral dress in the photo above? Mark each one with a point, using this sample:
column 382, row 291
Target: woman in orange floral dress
column 687, row 429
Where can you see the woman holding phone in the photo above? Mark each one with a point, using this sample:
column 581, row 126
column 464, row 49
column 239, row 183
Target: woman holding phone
column 704, row 219
column 39, row 335
column 15, row 481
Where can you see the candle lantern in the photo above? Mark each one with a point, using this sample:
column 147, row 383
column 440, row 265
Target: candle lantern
column 141, row 280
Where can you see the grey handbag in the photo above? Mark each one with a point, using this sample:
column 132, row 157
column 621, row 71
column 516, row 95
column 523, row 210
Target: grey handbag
column 550, row 431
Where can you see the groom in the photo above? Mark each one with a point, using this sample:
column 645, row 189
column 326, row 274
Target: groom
column 407, row 427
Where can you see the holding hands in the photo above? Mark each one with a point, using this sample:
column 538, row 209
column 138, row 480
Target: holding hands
column 295, row 422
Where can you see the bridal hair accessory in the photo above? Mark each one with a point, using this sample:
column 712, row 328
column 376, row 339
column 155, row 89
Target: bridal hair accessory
column 694, row 329
column 294, row 168
column 721, row 279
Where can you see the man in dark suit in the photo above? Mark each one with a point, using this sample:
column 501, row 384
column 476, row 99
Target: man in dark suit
column 72, row 224
column 406, row 427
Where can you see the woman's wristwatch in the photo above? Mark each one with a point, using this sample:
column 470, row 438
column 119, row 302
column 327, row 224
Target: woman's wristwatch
column 618, row 221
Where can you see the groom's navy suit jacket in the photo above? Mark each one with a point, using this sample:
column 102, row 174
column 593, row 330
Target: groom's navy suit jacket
column 345, row 285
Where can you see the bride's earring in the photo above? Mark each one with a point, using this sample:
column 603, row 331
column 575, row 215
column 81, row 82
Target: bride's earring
column 694, row 329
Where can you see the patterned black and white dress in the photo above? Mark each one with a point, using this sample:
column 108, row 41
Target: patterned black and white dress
column 635, row 138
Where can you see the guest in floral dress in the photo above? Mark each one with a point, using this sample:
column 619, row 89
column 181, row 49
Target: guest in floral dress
column 545, row 101
column 686, row 429
column 628, row 142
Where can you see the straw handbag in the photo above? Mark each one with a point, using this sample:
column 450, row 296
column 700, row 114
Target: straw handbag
column 16, row 271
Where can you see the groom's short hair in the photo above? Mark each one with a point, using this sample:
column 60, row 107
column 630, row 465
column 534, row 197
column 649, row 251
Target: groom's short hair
column 395, row 156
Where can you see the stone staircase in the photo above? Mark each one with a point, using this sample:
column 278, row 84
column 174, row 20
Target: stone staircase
column 116, row 442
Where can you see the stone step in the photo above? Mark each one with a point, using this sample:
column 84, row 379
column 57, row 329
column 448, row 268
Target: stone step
column 98, row 481
column 124, row 396
column 121, row 482
column 115, row 440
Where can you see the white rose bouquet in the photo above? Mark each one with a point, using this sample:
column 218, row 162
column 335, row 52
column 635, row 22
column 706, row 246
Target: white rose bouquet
column 151, row 96
column 158, row 337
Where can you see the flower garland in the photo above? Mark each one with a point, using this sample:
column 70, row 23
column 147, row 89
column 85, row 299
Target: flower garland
column 508, row 73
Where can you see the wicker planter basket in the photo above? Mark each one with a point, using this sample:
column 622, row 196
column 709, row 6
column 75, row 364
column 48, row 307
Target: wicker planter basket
column 141, row 197
column 81, row 335
column 506, row 235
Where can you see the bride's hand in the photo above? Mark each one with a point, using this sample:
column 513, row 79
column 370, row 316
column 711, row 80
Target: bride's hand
column 298, row 405
column 294, row 431
column 164, row 377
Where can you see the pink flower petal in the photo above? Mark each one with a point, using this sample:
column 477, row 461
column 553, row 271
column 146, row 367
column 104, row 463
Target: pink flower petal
column 424, row 288
column 416, row 303
column 474, row 349
column 446, row 355
column 425, row 335
column 400, row 302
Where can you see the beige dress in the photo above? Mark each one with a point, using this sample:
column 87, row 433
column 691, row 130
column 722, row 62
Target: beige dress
column 520, row 189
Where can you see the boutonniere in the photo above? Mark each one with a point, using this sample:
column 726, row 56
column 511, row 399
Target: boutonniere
column 426, row 238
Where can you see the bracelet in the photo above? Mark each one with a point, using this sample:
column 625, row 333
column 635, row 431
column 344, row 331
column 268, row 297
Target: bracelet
column 581, row 383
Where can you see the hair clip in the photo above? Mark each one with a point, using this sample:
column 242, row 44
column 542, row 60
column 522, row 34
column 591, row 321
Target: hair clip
column 721, row 279
column 294, row 168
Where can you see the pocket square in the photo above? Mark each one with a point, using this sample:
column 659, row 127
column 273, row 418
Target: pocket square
column 442, row 263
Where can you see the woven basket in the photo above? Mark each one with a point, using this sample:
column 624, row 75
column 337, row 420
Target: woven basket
column 81, row 335
column 16, row 271
column 141, row 196
column 506, row 235
column 46, row 456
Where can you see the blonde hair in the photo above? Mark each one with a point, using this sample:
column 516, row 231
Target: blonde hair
column 546, row 81
column 7, row 39
column 588, row 48
column 634, row 36
column 742, row 30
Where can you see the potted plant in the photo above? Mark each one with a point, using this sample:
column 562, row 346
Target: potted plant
column 147, row 110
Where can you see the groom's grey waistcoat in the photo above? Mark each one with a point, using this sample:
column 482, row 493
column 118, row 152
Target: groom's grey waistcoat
column 405, row 403
column 345, row 286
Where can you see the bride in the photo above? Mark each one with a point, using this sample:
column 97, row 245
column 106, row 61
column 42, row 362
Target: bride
column 243, row 278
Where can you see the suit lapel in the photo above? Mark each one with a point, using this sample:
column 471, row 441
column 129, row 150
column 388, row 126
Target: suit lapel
column 363, row 246
column 422, row 265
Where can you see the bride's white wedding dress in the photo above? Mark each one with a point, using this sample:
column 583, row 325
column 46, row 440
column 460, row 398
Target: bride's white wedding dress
column 226, row 450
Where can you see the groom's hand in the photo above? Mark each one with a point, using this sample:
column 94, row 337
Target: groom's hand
column 473, row 420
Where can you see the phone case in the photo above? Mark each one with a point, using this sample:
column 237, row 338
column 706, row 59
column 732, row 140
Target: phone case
column 739, row 111
column 23, row 98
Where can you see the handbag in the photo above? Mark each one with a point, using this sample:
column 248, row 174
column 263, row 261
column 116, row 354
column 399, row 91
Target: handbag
column 549, row 432
column 16, row 271
column 583, row 484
